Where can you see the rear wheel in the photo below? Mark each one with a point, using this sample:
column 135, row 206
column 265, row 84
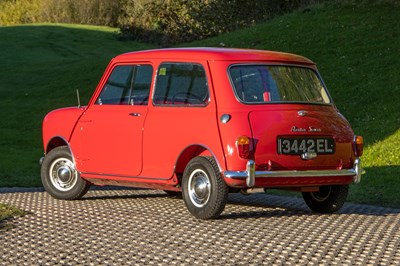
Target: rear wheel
column 59, row 176
column 328, row 199
column 204, row 191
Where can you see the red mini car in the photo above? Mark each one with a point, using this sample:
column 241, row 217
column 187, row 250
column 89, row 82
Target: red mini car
column 205, row 122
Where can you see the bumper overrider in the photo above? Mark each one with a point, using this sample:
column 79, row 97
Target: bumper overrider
column 251, row 175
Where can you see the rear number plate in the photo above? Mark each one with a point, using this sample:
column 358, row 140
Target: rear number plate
column 302, row 145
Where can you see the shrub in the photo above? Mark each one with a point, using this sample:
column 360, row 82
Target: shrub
column 165, row 22
column 95, row 12
column 19, row 11
column 168, row 22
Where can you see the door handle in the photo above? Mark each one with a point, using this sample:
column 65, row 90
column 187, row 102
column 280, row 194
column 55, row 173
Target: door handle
column 135, row 114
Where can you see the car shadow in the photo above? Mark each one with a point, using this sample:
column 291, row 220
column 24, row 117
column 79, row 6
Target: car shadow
column 111, row 196
column 289, row 206
column 262, row 214
column 274, row 205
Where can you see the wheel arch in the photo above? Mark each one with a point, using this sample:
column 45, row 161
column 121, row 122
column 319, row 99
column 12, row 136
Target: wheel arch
column 55, row 142
column 58, row 141
column 191, row 152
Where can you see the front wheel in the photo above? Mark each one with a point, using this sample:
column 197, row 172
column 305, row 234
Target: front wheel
column 204, row 191
column 59, row 176
column 328, row 199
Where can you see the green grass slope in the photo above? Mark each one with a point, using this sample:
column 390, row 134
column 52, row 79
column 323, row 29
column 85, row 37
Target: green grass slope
column 357, row 51
column 41, row 66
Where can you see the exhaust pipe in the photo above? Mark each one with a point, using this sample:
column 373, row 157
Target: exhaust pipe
column 251, row 190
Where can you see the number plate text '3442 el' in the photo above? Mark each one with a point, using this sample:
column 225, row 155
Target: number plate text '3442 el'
column 296, row 146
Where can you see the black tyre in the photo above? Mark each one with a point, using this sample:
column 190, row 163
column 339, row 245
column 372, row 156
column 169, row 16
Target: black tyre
column 203, row 189
column 328, row 199
column 59, row 176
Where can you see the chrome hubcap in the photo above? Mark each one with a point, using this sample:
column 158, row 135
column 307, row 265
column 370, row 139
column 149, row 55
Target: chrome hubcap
column 199, row 188
column 63, row 175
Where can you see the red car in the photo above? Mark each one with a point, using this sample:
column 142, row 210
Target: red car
column 205, row 122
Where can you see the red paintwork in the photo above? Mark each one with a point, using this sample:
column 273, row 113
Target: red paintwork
column 59, row 124
column 151, row 150
column 280, row 121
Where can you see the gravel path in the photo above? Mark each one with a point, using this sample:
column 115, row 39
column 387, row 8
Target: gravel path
column 115, row 226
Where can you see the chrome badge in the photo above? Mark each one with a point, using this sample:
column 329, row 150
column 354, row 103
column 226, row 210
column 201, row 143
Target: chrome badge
column 309, row 129
column 302, row 113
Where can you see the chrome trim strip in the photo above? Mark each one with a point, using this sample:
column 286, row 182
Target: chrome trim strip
column 102, row 175
column 290, row 173
column 250, row 175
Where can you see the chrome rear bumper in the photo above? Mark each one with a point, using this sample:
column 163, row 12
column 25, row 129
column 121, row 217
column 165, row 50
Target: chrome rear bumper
column 251, row 174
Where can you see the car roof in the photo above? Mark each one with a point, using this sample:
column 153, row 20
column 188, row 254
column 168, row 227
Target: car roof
column 214, row 54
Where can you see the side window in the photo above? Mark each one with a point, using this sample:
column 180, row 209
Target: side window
column 127, row 85
column 181, row 84
column 141, row 85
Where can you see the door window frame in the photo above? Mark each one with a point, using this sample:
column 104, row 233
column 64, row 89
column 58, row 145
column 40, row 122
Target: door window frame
column 207, row 98
column 131, row 85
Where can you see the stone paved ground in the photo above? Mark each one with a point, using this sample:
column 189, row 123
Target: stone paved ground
column 147, row 227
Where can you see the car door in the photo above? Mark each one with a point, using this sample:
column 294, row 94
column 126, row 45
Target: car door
column 182, row 115
column 112, row 127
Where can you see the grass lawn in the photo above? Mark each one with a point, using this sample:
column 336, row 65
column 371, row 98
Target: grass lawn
column 41, row 68
column 357, row 51
column 7, row 211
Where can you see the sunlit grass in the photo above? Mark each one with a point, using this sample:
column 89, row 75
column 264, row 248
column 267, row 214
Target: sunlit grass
column 385, row 152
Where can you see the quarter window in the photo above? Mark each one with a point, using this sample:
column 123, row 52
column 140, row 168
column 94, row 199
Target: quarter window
column 127, row 85
column 181, row 84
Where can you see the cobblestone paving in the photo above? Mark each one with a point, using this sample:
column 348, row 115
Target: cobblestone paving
column 147, row 227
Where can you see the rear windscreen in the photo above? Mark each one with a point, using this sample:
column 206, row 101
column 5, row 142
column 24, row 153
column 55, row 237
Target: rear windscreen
column 276, row 83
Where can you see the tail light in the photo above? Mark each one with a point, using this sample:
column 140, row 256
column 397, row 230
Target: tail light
column 358, row 146
column 243, row 146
